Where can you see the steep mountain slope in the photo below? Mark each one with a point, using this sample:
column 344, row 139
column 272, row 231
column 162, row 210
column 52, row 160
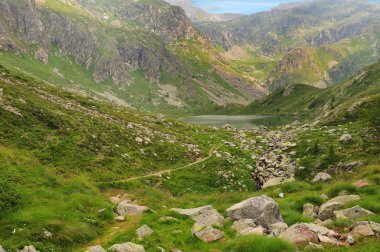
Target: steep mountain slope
column 344, row 100
column 145, row 54
column 325, row 41
column 198, row 15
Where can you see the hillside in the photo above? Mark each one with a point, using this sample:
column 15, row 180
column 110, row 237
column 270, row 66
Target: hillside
column 143, row 54
column 63, row 156
column 318, row 43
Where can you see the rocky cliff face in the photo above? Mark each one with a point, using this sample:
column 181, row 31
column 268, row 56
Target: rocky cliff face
column 111, row 39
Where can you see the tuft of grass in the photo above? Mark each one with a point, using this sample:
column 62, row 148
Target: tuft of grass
column 254, row 243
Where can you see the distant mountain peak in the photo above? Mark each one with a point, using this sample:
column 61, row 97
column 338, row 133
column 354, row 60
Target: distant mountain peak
column 199, row 15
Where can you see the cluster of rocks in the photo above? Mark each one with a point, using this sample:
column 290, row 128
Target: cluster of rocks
column 126, row 207
column 206, row 218
column 258, row 215
column 275, row 167
column 333, row 209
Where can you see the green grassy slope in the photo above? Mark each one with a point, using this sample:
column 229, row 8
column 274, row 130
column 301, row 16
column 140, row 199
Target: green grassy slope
column 62, row 156
column 342, row 99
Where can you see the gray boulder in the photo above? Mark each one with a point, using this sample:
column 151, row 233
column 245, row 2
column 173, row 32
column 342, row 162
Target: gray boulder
column 209, row 218
column 127, row 247
column 326, row 211
column 263, row 210
column 206, row 233
column 143, row 231
column 95, row 249
column 321, row 177
column 126, row 208
column 352, row 213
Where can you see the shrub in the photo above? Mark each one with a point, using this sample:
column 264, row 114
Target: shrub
column 254, row 243
column 9, row 198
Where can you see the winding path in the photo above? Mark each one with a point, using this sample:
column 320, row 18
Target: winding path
column 159, row 173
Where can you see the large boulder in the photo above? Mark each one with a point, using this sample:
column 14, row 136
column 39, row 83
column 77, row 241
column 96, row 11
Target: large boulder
column 242, row 224
column 127, row 247
column 29, row 249
column 352, row 213
column 125, row 208
column 321, row 177
column 192, row 212
column 345, row 199
column 326, row 211
column 206, row 233
column 299, row 234
column 263, row 210
column 209, row 218
column 143, row 231
column 95, row 249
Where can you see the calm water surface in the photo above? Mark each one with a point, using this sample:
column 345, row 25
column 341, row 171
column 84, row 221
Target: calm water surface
column 239, row 122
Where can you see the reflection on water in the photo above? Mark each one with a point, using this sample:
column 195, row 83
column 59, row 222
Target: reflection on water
column 239, row 122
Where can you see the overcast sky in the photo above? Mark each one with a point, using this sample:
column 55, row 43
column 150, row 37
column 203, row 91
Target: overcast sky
column 241, row 6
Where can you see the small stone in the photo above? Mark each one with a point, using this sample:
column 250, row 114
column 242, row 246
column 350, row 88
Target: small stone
column 206, row 233
column 29, row 249
column 281, row 195
column 120, row 218
column 328, row 240
column 321, row 177
column 277, row 228
column 1, row 247
column 95, row 249
column 143, row 231
column 350, row 239
column 309, row 211
column 248, row 231
column 345, row 138
column 361, row 183
column 47, row 234
column 242, row 224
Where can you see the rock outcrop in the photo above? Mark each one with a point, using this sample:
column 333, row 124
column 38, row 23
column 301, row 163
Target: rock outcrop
column 263, row 210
